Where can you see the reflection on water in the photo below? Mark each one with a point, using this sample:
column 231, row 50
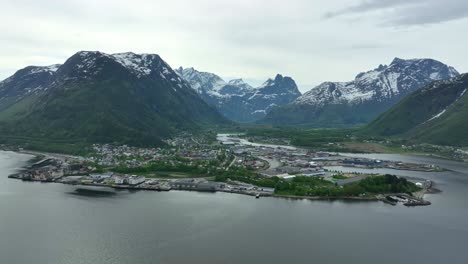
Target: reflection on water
column 93, row 192
column 58, row 224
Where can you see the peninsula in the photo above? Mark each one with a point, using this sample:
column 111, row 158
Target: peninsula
column 231, row 163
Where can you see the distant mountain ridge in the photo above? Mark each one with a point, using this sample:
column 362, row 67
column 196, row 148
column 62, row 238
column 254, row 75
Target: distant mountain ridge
column 437, row 113
column 236, row 99
column 359, row 101
column 99, row 97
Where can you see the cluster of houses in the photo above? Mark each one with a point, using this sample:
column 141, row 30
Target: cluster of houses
column 49, row 169
column 133, row 180
column 461, row 154
column 198, row 154
column 251, row 162
column 114, row 155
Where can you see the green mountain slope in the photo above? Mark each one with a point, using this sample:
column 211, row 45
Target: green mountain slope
column 327, row 116
column 437, row 113
column 96, row 97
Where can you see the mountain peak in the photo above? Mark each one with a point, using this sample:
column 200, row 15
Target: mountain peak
column 91, row 62
column 400, row 61
column 370, row 93
column 122, row 97
column 83, row 53
column 141, row 64
column 201, row 82
column 237, row 82
column 381, row 67
column 85, row 64
column 188, row 69
column 238, row 100
column 284, row 83
column 397, row 60
column 278, row 77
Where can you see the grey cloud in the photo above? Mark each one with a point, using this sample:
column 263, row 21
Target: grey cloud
column 436, row 12
column 408, row 12
column 257, row 38
column 371, row 5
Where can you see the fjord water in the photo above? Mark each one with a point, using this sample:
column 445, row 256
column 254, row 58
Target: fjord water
column 52, row 224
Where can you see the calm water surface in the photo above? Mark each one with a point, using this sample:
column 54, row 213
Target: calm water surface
column 52, row 224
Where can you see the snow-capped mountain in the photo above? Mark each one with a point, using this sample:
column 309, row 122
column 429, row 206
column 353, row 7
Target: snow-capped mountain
column 385, row 82
column 102, row 98
column 87, row 65
column 361, row 100
column 236, row 99
column 240, row 83
column 202, row 82
column 28, row 81
column 271, row 94
column 211, row 85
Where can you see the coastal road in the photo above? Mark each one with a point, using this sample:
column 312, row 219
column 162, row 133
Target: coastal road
column 59, row 156
column 232, row 162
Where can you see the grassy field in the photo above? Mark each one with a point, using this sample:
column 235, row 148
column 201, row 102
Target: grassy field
column 339, row 177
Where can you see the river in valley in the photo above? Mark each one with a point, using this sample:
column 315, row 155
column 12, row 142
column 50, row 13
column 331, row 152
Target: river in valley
column 51, row 223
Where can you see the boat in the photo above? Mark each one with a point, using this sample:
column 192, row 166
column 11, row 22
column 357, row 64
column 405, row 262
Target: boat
column 257, row 196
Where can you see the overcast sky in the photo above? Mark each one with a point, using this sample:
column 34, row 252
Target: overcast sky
column 310, row 40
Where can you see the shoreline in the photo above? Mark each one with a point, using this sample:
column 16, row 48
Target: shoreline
column 280, row 196
column 257, row 194
column 326, row 198
column 380, row 197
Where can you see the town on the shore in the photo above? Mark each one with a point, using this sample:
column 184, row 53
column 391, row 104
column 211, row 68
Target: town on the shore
column 231, row 163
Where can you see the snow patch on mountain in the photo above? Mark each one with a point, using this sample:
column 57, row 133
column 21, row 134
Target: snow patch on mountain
column 202, row 82
column 238, row 100
column 49, row 69
column 87, row 63
column 463, row 93
column 383, row 83
column 437, row 116
column 140, row 64
column 240, row 83
column 267, row 83
column 445, row 109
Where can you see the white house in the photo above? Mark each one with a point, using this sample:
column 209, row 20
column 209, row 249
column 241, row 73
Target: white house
column 118, row 180
column 135, row 180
